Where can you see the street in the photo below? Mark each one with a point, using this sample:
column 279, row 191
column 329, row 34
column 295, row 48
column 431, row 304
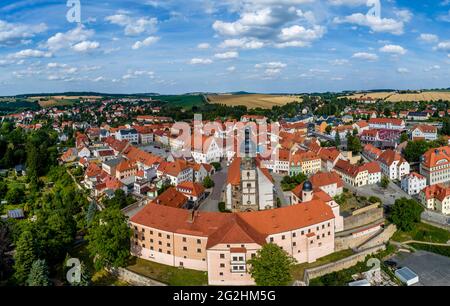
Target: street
column 387, row 196
column 211, row 203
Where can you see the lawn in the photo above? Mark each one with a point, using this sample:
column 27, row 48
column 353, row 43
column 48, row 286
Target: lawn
column 298, row 270
column 167, row 274
column 423, row 232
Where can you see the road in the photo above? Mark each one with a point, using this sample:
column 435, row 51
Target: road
column 279, row 191
column 211, row 203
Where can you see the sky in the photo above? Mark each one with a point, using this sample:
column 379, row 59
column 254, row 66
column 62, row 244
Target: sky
column 267, row 46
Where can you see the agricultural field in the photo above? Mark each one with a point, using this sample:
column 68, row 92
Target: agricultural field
column 405, row 97
column 184, row 101
column 59, row 100
column 253, row 100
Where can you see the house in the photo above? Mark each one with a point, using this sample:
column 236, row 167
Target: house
column 104, row 154
column 201, row 171
column 435, row 165
column 259, row 119
column 20, row 170
column 423, row 132
column 393, row 165
column 145, row 134
column 413, row 183
column 436, row 198
column 176, row 172
column 329, row 182
column 110, row 165
column 205, row 149
column 125, row 169
column 418, row 116
column 70, row 155
column 193, row 191
column 358, row 176
column 172, row 198
column 84, row 152
column 342, row 130
column 387, row 123
column 371, row 152
column 306, row 162
column 130, row 135
column 329, row 158
column 361, row 126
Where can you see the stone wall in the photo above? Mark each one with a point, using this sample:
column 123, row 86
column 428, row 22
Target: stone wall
column 133, row 278
column 366, row 241
column 341, row 264
column 363, row 218
column 380, row 238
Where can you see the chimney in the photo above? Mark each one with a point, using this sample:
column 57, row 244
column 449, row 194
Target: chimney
column 192, row 216
column 158, row 201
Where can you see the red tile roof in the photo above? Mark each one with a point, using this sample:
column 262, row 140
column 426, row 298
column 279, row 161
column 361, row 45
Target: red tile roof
column 191, row 188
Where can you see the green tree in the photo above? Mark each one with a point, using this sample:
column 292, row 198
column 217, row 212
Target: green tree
column 6, row 241
column 446, row 126
column 328, row 129
column 208, row 182
column 337, row 139
column 92, row 209
column 405, row 213
column 15, row 195
column 384, row 182
column 39, row 275
column 415, row 149
column 109, row 239
column 271, row 266
column 404, row 137
column 217, row 166
column 353, row 144
column 25, row 256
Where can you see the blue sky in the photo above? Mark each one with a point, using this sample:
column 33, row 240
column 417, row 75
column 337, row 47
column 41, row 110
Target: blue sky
column 177, row 46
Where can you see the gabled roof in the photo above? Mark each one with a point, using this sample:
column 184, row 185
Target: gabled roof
column 388, row 157
column 438, row 155
column 172, row 198
column 326, row 178
column 191, row 188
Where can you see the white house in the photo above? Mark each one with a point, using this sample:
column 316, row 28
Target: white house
column 206, row 151
column 413, row 183
column 131, row 135
column 393, row 165
column 84, row 152
column 423, row 131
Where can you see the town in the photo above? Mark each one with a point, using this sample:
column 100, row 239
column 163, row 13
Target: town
column 342, row 180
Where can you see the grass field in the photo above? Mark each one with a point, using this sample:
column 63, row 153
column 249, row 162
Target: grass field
column 167, row 274
column 404, row 97
column 184, row 101
column 59, row 100
column 423, row 232
column 253, row 100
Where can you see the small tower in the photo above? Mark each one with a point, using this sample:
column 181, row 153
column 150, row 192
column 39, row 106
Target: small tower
column 307, row 192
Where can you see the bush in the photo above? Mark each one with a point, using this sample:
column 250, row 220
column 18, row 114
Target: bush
column 374, row 200
column 217, row 166
column 222, row 207
column 208, row 182
column 405, row 214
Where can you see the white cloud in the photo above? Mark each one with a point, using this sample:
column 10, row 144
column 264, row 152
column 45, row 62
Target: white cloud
column 301, row 35
column 365, row 56
column 428, row 38
column 145, row 43
column 242, row 43
column 99, row 79
column 231, row 69
column 393, row 49
column 133, row 26
column 203, row 46
column 68, row 39
column 385, row 25
column 30, row 53
column 13, row 33
column 433, row 67
column 443, row 46
column 403, row 70
column 339, row 62
column 227, row 55
column 347, row 2
column 86, row 46
column 200, row 61
column 271, row 65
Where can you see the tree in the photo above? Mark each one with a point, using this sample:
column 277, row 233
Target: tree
column 271, row 266
column 384, row 182
column 415, row 149
column 92, row 209
column 15, row 195
column 405, row 214
column 404, row 137
column 288, row 183
column 353, row 144
column 328, row 129
column 25, row 256
column 337, row 139
column 217, row 166
column 208, row 182
column 120, row 200
column 38, row 274
column 446, row 126
column 6, row 240
column 109, row 239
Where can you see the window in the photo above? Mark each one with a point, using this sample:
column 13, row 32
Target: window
column 184, row 239
column 168, row 245
column 199, row 241
column 199, row 250
column 309, row 231
column 282, row 237
column 222, row 265
column 271, row 239
column 151, row 232
column 222, row 256
column 143, row 230
column 168, row 252
column 303, row 232
column 160, row 242
column 294, row 243
column 323, row 226
column 159, row 235
column 159, row 250
column 294, row 235
column 221, row 273
column 168, row 236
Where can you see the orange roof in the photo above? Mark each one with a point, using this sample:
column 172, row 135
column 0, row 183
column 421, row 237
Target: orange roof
column 191, row 188
column 171, row 197
column 173, row 168
column 93, row 170
column 386, row 121
column 439, row 192
column 125, row 165
column 390, row 156
column 329, row 154
column 326, row 178
column 372, row 150
column 434, row 156
column 234, row 172
column 425, row 128
column 303, row 156
column 137, row 155
column 372, row 167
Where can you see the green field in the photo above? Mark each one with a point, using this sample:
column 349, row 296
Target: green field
column 423, row 232
column 184, row 101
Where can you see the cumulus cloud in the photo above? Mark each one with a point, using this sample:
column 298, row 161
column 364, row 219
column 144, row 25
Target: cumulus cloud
column 203, row 46
column 365, row 56
column 227, row 55
column 393, row 49
column 443, row 46
column 383, row 25
column 200, row 61
column 403, row 70
column 428, row 38
column 13, row 33
column 133, row 26
column 242, row 43
column 145, row 43
column 69, row 38
column 86, row 46
column 30, row 53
